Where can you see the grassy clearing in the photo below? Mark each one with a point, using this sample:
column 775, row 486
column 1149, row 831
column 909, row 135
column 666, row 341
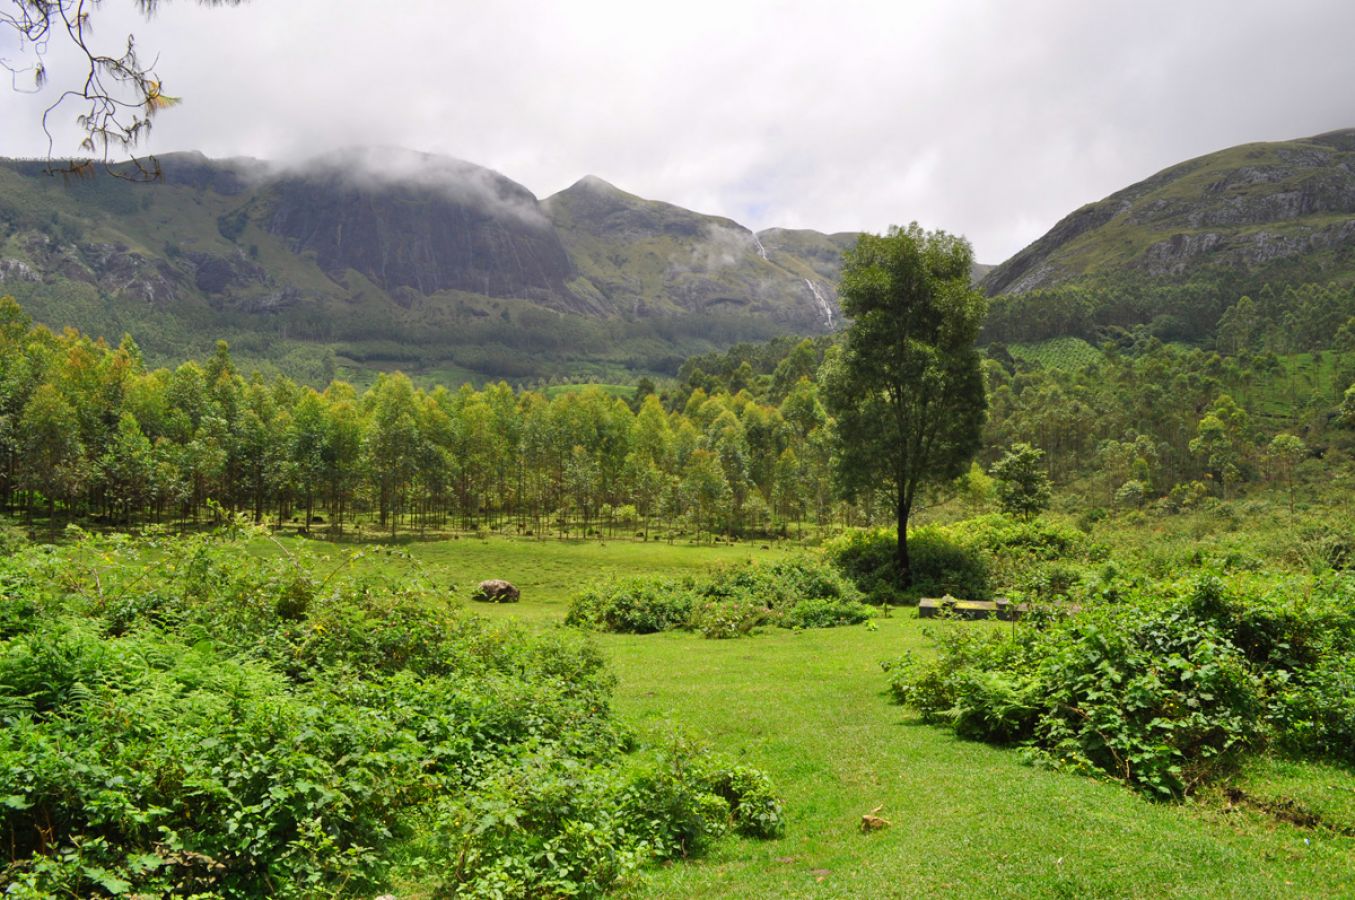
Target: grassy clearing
column 624, row 391
column 1279, row 395
column 967, row 818
column 549, row 572
column 809, row 708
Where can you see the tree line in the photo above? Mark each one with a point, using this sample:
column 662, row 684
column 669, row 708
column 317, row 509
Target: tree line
column 1169, row 426
column 741, row 443
column 1230, row 313
column 87, row 430
column 1145, row 424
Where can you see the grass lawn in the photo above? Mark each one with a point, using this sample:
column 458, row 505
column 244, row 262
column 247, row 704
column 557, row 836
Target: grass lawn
column 549, row 572
column 967, row 819
column 624, row 391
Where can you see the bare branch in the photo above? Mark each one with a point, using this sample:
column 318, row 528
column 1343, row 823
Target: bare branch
column 118, row 95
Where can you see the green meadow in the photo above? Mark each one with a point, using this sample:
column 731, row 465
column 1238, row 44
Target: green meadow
column 966, row 819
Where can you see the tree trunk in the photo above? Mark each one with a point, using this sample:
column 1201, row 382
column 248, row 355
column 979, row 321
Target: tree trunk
column 901, row 555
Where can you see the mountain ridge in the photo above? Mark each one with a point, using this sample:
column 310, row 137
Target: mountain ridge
column 390, row 256
column 1248, row 208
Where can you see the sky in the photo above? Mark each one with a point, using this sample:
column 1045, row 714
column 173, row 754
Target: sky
column 988, row 119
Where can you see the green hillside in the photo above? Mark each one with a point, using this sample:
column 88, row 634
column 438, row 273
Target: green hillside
column 1251, row 248
column 642, row 257
column 364, row 261
column 1282, row 211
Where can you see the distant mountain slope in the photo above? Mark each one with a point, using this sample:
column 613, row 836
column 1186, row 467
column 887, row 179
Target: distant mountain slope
column 1282, row 210
column 386, row 257
column 426, row 223
column 642, row 257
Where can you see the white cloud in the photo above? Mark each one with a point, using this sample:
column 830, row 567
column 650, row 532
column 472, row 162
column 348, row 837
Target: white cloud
column 986, row 118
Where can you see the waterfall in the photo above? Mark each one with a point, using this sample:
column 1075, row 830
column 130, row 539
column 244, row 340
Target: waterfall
column 822, row 301
column 761, row 250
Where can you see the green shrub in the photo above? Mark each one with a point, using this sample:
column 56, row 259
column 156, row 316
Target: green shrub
column 185, row 716
column 753, row 805
column 867, row 558
column 729, row 615
column 1314, row 712
column 638, row 605
column 934, row 687
column 1320, row 548
column 1035, row 539
column 1050, row 581
column 543, row 827
column 728, row 602
column 819, row 612
column 943, row 565
column 940, row 565
column 20, row 595
column 1163, row 688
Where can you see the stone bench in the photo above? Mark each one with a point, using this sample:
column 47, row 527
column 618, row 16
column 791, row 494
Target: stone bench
column 931, row 607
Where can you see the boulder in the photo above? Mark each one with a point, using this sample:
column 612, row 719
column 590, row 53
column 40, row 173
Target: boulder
column 496, row 591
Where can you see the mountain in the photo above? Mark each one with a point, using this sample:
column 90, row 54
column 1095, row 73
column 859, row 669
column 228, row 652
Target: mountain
column 1280, row 212
column 641, row 257
column 366, row 259
column 418, row 222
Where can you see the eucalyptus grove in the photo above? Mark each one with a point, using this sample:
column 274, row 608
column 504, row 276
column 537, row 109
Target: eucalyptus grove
column 88, row 430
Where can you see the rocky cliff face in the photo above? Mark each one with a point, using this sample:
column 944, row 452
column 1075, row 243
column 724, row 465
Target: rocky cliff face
column 1245, row 208
column 420, row 222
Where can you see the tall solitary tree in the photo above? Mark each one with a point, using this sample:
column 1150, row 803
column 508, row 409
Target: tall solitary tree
column 907, row 389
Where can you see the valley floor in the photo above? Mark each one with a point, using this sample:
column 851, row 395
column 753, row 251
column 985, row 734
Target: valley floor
column 809, row 708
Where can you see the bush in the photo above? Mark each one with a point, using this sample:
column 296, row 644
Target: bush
column 638, row 605
column 999, row 536
column 944, row 565
column 940, row 565
column 1162, row 689
column 731, row 601
column 1323, row 548
column 729, row 616
column 866, row 557
column 818, row 612
column 20, row 593
column 543, row 827
column 185, row 716
column 1314, row 713
column 1050, row 581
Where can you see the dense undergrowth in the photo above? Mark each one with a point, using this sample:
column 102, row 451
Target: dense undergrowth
column 1165, row 685
column 727, row 602
column 970, row 559
column 181, row 716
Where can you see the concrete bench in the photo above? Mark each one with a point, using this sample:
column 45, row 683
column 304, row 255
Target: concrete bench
column 932, row 607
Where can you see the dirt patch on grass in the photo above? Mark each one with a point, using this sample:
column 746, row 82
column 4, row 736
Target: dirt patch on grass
column 1284, row 810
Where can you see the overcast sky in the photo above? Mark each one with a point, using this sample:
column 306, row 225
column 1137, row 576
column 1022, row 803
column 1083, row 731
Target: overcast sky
column 991, row 119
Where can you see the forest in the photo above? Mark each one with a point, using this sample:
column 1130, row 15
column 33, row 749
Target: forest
column 738, row 445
